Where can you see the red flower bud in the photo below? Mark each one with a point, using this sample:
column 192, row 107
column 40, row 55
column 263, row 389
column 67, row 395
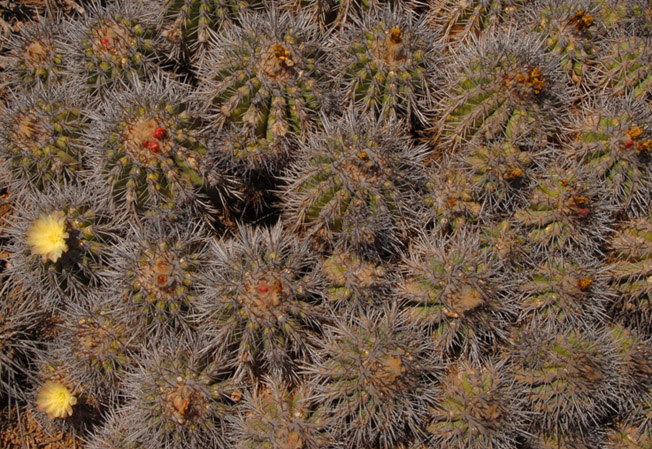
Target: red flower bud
column 160, row 133
column 583, row 211
column 263, row 287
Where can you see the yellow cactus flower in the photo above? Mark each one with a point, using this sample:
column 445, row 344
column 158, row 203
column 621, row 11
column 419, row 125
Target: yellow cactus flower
column 55, row 399
column 47, row 236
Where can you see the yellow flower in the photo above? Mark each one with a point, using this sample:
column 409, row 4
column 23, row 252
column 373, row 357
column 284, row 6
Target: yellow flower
column 55, row 399
column 47, row 236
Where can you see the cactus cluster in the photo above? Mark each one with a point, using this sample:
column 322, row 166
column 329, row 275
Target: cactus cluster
column 326, row 224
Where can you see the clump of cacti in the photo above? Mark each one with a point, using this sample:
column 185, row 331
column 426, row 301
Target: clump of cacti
column 95, row 345
column 326, row 224
column 505, row 243
column 59, row 402
column 351, row 281
column 449, row 200
column 501, row 173
column 623, row 66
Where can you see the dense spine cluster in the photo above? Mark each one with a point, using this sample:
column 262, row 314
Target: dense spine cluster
column 19, row 340
column 95, row 345
column 564, row 212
